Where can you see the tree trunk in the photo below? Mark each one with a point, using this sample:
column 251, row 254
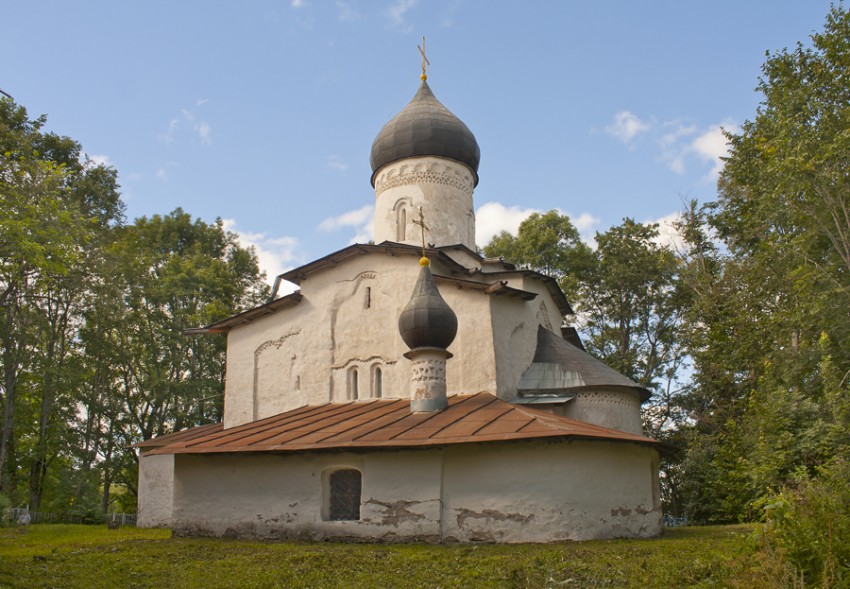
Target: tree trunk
column 10, row 381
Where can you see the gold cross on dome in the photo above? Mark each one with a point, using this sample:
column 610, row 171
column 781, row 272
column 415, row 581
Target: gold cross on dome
column 421, row 222
column 425, row 61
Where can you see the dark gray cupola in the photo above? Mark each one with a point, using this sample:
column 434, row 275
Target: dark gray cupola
column 428, row 326
column 425, row 128
column 427, row 321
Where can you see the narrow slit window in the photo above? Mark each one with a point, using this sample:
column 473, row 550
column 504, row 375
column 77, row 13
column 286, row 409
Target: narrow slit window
column 367, row 297
column 378, row 383
column 402, row 224
column 353, row 393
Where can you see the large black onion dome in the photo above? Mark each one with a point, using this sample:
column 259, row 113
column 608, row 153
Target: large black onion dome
column 427, row 321
column 425, row 127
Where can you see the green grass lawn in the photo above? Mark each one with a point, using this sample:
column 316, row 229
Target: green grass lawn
column 92, row 557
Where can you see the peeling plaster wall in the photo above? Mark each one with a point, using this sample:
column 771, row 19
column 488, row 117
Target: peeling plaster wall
column 544, row 492
column 156, row 486
column 511, row 492
column 273, row 496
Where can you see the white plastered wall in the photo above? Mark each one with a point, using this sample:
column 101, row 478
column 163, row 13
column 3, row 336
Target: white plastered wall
column 274, row 496
column 617, row 408
column 544, row 492
column 156, row 490
column 348, row 319
column 442, row 187
column 502, row 492
column 514, row 326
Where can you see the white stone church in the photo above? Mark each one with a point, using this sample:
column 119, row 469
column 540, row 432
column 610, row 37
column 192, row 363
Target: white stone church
column 398, row 399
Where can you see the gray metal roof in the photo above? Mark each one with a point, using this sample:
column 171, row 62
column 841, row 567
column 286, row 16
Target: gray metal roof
column 425, row 127
column 560, row 366
column 493, row 285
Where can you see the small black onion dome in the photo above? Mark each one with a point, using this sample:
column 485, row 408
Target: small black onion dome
column 425, row 127
column 427, row 321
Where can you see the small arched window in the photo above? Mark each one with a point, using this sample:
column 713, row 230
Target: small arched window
column 353, row 385
column 344, row 487
column 377, row 383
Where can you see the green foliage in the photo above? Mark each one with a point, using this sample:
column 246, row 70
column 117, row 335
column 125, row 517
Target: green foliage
column 808, row 525
column 55, row 210
column 75, row 556
column 624, row 291
column 768, row 275
column 628, row 306
column 548, row 243
column 92, row 356
column 161, row 275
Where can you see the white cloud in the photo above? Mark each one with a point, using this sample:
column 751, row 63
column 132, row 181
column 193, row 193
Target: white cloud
column 168, row 136
column 364, row 234
column 586, row 225
column 91, row 160
column 668, row 235
column 450, row 11
column 347, row 11
column 336, row 163
column 397, row 15
column 680, row 146
column 163, row 173
column 710, row 147
column 674, row 131
column 492, row 218
column 681, row 142
column 275, row 255
column 349, row 219
column 203, row 130
column 296, row 4
column 626, row 126
column 186, row 121
column 360, row 219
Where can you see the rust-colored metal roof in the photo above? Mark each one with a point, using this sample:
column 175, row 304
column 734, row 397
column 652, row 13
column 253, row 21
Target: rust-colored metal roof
column 388, row 423
column 181, row 436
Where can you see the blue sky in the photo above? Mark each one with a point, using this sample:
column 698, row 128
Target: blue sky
column 263, row 113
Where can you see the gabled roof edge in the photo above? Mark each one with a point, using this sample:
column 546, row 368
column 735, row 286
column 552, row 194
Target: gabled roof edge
column 225, row 325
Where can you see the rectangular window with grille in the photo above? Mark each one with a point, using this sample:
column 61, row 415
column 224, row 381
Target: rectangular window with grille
column 345, row 488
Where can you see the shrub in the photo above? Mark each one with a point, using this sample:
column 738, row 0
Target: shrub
column 5, row 504
column 808, row 526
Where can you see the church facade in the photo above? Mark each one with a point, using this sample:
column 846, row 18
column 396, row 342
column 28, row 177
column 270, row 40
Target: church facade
column 351, row 414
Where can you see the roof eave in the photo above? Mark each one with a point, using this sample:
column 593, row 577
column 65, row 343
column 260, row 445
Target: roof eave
column 225, row 325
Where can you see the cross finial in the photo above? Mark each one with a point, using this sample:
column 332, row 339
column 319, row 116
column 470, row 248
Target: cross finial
column 421, row 222
column 425, row 61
